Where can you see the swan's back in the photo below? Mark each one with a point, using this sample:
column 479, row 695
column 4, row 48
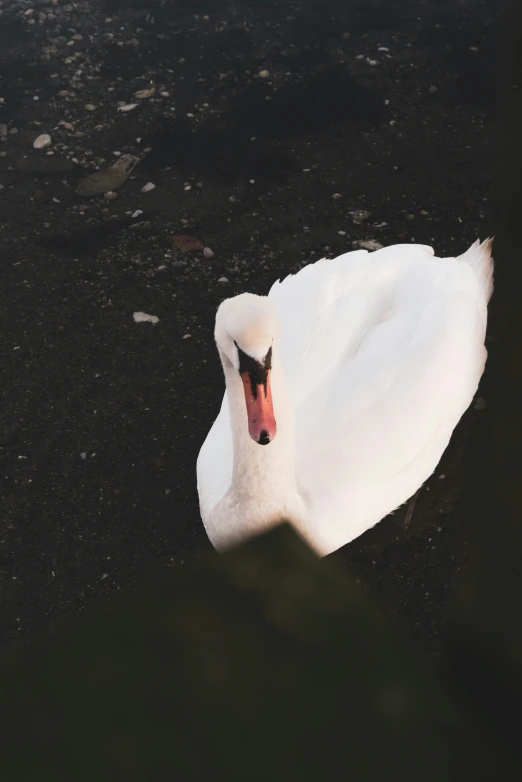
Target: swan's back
column 382, row 353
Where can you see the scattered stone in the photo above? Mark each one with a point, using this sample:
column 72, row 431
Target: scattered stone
column 127, row 107
column 336, row 196
column 89, row 106
column 111, row 195
column 187, row 244
column 208, row 253
column 187, row 336
column 372, row 62
column 359, row 215
column 13, row 131
column 112, row 178
column 264, row 74
column 142, row 227
column 42, row 142
column 433, row 88
column 142, row 317
column 148, row 187
column 223, row 279
column 143, row 94
column 370, row 244
column 480, row 404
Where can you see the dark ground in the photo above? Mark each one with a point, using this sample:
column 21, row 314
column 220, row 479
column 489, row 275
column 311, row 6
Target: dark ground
column 102, row 418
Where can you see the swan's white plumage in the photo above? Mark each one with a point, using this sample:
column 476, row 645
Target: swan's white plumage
column 382, row 353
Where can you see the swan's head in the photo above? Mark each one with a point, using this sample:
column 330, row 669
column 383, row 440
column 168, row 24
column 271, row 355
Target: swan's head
column 246, row 329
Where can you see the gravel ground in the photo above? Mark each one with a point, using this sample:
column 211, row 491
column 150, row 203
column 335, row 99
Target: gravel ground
column 276, row 133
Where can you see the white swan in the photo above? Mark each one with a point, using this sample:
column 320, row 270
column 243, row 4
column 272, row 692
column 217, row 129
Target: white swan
column 344, row 386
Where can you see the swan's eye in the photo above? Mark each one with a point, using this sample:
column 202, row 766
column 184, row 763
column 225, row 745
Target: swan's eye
column 257, row 371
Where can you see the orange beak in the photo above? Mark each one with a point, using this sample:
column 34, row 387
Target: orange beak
column 260, row 412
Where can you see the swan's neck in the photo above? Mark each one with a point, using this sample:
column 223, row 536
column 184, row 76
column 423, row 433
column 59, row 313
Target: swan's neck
column 262, row 474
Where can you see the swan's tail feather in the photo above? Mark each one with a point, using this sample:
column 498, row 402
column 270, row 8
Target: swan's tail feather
column 480, row 258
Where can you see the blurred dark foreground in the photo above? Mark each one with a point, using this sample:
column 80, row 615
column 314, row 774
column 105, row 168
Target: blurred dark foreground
column 264, row 664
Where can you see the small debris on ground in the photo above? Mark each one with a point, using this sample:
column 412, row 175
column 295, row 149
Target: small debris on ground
column 208, row 253
column 142, row 94
column 187, row 244
column 142, row 317
column 148, row 187
column 103, row 181
column 369, row 244
column 42, row 142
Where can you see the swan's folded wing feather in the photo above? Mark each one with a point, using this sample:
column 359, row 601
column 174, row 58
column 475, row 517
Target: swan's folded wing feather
column 395, row 365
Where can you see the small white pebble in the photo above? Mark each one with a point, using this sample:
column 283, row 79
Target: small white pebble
column 336, row 196
column 111, row 195
column 370, row 244
column 264, row 74
column 83, row 455
column 223, row 279
column 208, row 253
column 142, row 317
column 148, row 187
column 141, row 94
column 187, row 187
column 127, row 107
column 187, row 336
column 90, row 107
column 442, row 477
column 42, row 142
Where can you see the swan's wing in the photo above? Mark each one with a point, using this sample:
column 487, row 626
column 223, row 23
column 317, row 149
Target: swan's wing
column 381, row 377
column 328, row 307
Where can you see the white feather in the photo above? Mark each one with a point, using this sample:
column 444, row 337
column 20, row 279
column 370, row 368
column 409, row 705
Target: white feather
column 381, row 355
